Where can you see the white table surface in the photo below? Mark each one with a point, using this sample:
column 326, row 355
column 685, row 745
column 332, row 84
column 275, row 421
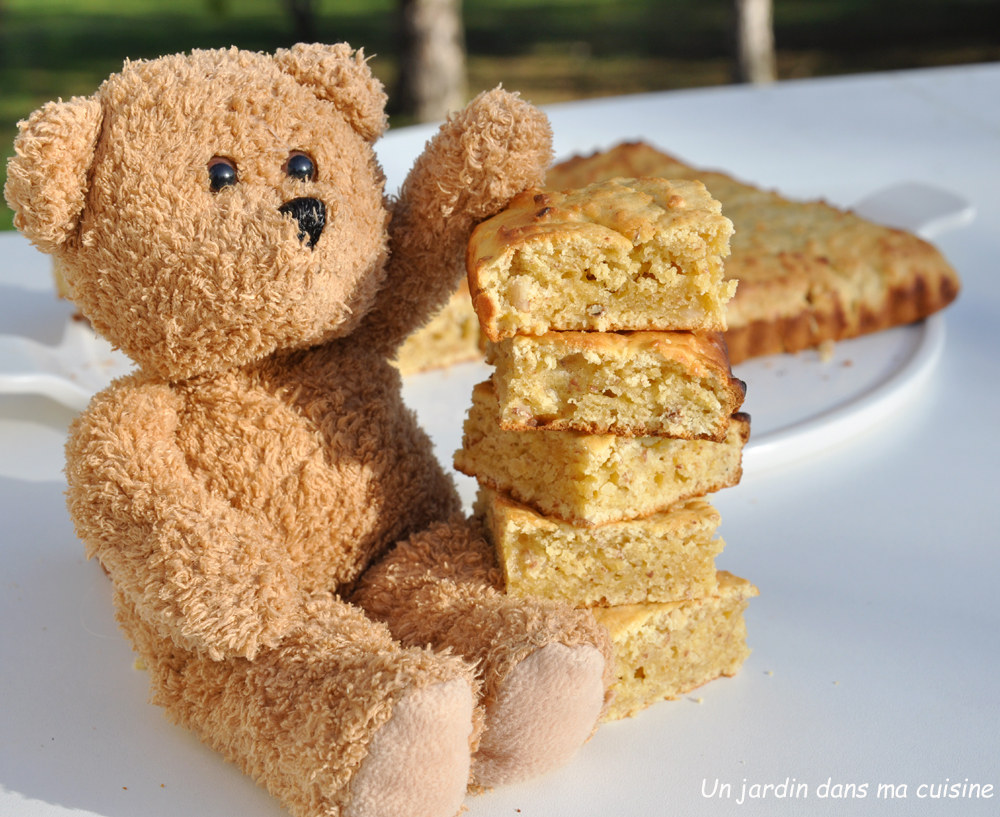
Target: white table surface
column 877, row 633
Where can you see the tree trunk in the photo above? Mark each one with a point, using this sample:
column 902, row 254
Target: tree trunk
column 303, row 19
column 755, row 60
column 432, row 59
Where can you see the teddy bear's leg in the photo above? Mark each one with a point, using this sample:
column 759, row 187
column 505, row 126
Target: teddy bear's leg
column 545, row 667
column 338, row 720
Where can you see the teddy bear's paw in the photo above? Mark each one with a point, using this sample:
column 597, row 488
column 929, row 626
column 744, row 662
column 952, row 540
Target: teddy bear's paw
column 418, row 762
column 506, row 146
column 546, row 708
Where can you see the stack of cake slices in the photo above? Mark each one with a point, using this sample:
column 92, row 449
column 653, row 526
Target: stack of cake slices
column 611, row 412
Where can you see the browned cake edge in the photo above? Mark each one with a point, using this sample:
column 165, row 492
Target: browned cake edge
column 902, row 305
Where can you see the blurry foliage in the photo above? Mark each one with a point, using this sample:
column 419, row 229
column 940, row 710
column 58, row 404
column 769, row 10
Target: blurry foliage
column 548, row 49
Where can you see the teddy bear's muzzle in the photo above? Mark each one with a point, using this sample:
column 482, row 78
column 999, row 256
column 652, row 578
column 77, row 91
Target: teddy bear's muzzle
column 310, row 214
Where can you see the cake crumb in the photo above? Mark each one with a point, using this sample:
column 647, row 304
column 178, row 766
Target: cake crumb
column 826, row 349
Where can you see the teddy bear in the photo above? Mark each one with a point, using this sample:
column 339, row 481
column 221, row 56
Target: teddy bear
column 289, row 559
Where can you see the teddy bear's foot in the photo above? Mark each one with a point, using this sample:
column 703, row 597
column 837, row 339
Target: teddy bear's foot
column 545, row 709
column 418, row 762
column 545, row 667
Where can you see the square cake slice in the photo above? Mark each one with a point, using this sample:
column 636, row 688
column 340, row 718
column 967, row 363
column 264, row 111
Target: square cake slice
column 623, row 254
column 665, row 650
column 670, row 384
column 592, row 479
column 669, row 556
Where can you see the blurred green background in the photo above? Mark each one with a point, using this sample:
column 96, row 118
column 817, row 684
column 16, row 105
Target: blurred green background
column 550, row 50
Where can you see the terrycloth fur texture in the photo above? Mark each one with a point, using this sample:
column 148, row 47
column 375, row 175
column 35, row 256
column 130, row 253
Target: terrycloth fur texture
column 240, row 484
column 448, row 192
column 298, row 718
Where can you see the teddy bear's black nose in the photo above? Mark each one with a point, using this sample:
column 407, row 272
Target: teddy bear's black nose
column 310, row 215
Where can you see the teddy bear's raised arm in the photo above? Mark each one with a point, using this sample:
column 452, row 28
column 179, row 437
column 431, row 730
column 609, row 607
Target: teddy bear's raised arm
column 193, row 567
column 480, row 159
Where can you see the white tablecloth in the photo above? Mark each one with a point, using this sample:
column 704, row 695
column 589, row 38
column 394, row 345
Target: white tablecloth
column 877, row 633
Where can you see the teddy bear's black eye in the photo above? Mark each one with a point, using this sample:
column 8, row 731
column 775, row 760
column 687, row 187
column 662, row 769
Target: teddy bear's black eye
column 221, row 173
column 301, row 167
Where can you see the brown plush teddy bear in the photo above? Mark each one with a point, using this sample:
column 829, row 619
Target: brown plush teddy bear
column 289, row 559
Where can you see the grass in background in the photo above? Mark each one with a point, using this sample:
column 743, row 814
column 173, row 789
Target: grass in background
column 550, row 50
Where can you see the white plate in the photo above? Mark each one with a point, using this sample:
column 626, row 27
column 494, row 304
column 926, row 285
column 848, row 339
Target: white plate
column 799, row 404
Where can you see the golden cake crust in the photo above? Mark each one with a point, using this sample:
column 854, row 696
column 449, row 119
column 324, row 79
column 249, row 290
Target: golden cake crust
column 808, row 272
column 674, row 384
column 615, row 244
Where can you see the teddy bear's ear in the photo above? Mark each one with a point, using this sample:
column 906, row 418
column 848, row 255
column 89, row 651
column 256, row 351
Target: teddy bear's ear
column 47, row 177
column 341, row 75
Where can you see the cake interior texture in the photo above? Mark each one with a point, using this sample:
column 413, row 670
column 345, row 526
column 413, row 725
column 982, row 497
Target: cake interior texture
column 623, row 254
column 593, row 479
column 673, row 384
column 669, row 556
column 665, row 650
